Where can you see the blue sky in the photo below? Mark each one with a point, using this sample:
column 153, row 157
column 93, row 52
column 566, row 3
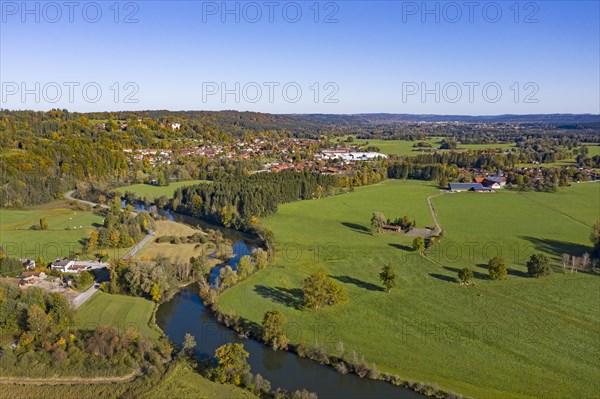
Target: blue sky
column 347, row 57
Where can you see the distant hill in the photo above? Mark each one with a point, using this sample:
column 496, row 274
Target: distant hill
column 395, row 118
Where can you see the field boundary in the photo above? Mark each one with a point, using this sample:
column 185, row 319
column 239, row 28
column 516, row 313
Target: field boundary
column 69, row 380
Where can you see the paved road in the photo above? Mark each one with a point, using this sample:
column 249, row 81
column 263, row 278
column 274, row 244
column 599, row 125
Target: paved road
column 84, row 296
column 139, row 245
column 69, row 195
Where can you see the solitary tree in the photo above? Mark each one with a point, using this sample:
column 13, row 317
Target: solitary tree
column 232, row 363
column 419, row 245
column 377, row 222
column 388, row 277
column 444, row 182
column 497, row 268
column 273, row 329
column 189, row 344
column 595, row 238
column 465, row 276
column 538, row 265
column 564, row 262
column 320, row 290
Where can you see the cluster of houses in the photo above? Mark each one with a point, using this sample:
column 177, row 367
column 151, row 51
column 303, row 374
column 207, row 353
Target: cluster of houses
column 279, row 155
column 30, row 276
column 349, row 155
column 485, row 184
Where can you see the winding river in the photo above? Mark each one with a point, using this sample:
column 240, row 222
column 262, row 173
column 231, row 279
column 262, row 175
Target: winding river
column 185, row 313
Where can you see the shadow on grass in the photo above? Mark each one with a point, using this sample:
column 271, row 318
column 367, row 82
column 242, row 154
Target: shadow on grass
column 358, row 283
column 402, row 247
column 291, row 297
column 557, row 248
column 517, row 273
column 476, row 274
column 443, row 277
column 97, row 225
column 357, row 228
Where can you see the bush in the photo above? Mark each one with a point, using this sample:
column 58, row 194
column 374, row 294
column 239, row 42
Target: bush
column 538, row 266
column 497, row 268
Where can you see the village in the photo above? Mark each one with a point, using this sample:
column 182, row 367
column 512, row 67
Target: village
column 276, row 156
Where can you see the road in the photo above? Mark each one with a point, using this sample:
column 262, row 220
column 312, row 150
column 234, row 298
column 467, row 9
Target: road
column 84, row 296
column 69, row 195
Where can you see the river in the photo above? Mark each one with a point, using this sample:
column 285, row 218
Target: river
column 185, row 313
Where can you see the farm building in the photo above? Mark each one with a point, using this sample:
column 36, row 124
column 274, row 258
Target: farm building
column 478, row 187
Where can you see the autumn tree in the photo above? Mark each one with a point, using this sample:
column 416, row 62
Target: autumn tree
column 377, row 222
column 189, row 344
column 595, row 239
column 245, row 267
column 497, row 268
column 273, row 329
column 38, row 322
column 232, row 363
column 260, row 258
column 418, row 245
column 155, row 292
column 320, row 291
column 388, row 277
column 538, row 265
column 92, row 242
column 227, row 277
column 200, row 266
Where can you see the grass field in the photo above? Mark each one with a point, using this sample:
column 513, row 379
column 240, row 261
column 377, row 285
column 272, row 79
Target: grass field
column 184, row 383
column 405, row 147
column 56, row 242
column 150, row 191
column 518, row 338
column 118, row 311
column 183, row 251
column 180, row 382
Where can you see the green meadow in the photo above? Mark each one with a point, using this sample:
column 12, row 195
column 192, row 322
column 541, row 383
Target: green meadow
column 405, row 147
column 118, row 311
column 66, row 229
column 179, row 382
column 184, row 382
column 517, row 338
column 150, row 191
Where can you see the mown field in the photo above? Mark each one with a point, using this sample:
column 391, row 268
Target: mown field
column 150, row 191
column 118, row 311
column 518, row 338
column 66, row 229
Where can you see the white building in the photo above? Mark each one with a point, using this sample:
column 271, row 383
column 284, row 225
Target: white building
column 64, row 265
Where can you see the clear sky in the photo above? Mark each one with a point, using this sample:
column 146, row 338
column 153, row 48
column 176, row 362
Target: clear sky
column 463, row 57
